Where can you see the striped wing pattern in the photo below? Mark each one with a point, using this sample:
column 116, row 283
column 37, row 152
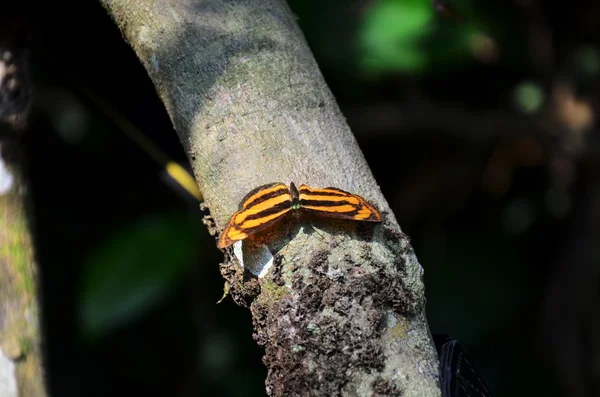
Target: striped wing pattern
column 259, row 209
column 337, row 203
column 268, row 203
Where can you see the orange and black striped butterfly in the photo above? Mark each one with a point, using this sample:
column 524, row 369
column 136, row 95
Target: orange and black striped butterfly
column 268, row 203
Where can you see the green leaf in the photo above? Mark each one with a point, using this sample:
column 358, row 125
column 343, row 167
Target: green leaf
column 409, row 36
column 133, row 269
column 391, row 34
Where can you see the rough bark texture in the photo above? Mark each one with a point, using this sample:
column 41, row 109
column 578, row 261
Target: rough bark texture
column 21, row 367
column 342, row 310
column 20, row 336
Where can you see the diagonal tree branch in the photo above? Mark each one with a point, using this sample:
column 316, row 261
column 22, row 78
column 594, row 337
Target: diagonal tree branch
column 342, row 311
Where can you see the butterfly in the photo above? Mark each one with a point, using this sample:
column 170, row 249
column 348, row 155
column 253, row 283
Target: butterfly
column 266, row 204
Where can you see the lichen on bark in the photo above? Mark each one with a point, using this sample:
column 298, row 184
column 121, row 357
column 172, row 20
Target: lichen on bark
column 337, row 328
column 20, row 334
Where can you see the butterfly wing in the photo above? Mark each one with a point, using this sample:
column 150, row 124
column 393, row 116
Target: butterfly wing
column 337, row 203
column 258, row 209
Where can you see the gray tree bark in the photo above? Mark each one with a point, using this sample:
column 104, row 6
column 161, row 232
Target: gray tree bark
column 21, row 363
column 21, row 370
column 342, row 311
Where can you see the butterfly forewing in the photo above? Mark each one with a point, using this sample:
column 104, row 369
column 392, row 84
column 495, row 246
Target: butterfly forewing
column 262, row 193
column 337, row 203
column 258, row 209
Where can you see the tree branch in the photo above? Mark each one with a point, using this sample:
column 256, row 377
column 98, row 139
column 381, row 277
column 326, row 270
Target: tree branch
column 20, row 333
column 342, row 310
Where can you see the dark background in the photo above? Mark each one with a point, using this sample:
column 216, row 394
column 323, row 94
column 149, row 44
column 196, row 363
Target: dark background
column 478, row 122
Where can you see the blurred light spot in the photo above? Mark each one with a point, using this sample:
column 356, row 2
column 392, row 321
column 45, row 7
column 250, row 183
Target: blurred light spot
column 518, row 216
column 6, row 178
column 588, row 61
column 528, row 97
column 71, row 123
column 218, row 353
column 67, row 114
column 484, row 48
column 576, row 114
column 7, row 56
column 558, row 202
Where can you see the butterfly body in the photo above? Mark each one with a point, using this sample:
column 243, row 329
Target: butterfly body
column 267, row 204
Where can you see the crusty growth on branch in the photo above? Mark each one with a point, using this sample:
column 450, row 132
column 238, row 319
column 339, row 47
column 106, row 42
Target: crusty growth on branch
column 342, row 310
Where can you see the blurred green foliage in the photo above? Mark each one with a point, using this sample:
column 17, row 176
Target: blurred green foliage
column 410, row 36
column 133, row 268
column 392, row 32
column 588, row 61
